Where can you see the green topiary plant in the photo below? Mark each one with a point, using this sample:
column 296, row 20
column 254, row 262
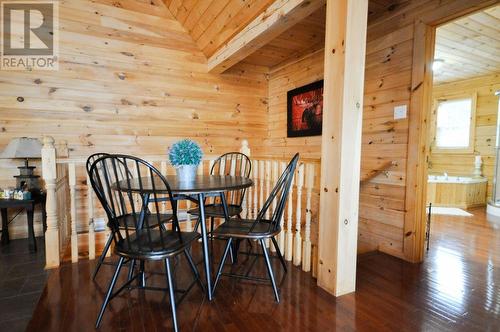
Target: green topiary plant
column 185, row 152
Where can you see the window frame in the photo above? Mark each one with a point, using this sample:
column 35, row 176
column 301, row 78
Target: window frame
column 472, row 128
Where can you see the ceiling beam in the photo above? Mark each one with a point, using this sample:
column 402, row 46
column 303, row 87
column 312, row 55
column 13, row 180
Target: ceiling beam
column 276, row 19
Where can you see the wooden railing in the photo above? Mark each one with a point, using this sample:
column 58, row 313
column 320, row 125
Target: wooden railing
column 65, row 215
column 366, row 177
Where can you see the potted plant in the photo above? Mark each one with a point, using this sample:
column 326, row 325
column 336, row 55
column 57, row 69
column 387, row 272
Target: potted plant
column 185, row 155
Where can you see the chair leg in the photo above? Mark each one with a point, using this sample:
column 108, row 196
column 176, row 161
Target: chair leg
column 110, row 291
column 171, row 292
column 194, row 269
column 103, row 255
column 142, row 279
column 131, row 269
column 236, row 248
column 221, row 265
column 198, row 221
column 270, row 270
column 278, row 251
column 232, row 255
column 212, row 222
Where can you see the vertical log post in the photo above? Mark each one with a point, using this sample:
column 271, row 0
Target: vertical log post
column 249, row 203
column 90, row 207
column 345, row 44
column 297, row 249
column 163, row 171
column 72, row 194
column 255, row 188
column 267, row 178
column 306, row 249
column 262, row 174
column 49, row 174
column 246, row 204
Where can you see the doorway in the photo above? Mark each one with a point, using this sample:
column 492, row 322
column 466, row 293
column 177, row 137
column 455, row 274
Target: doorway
column 463, row 134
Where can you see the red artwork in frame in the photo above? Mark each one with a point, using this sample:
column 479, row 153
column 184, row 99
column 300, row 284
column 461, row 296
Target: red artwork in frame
column 305, row 110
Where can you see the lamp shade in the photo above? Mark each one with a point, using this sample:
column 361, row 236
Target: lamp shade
column 22, row 148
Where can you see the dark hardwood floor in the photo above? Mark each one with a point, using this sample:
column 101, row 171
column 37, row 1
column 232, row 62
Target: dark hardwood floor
column 455, row 289
column 22, row 280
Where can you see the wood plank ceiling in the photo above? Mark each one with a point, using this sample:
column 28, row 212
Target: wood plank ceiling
column 212, row 23
column 469, row 46
column 306, row 37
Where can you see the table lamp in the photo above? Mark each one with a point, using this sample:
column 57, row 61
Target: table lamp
column 24, row 148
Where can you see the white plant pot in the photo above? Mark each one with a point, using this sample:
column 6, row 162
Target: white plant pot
column 186, row 173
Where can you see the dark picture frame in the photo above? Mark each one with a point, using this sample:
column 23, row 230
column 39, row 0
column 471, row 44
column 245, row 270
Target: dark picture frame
column 305, row 110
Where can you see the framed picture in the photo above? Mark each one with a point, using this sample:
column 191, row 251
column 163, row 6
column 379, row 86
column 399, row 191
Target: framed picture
column 305, row 110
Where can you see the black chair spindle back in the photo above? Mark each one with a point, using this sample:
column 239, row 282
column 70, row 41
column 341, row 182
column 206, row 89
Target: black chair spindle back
column 237, row 164
column 278, row 194
column 120, row 184
column 92, row 158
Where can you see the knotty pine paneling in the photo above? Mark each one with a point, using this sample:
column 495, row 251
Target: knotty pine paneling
column 131, row 80
column 388, row 75
column 382, row 201
column 213, row 23
column 305, row 71
column 485, row 130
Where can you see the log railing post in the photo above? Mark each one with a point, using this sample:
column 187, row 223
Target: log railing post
column 262, row 175
column 163, row 171
column 267, row 179
column 247, row 201
column 306, row 250
column 72, row 193
column 255, row 188
column 297, row 250
column 248, row 213
column 49, row 174
column 90, row 207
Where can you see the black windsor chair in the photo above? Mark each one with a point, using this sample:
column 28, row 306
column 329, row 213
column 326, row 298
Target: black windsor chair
column 259, row 229
column 119, row 183
column 122, row 220
column 232, row 163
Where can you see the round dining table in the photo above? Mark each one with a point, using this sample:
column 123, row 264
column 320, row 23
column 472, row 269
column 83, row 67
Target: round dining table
column 196, row 190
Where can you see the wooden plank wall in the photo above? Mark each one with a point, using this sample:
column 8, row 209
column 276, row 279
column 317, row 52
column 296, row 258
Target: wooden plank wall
column 381, row 200
column 131, row 80
column 282, row 79
column 307, row 70
column 388, row 78
column 485, row 131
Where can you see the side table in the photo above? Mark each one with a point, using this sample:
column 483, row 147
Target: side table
column 29, row 205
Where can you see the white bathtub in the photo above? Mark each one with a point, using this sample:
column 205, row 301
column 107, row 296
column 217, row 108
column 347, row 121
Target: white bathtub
column 456, row 191
column 454, row 179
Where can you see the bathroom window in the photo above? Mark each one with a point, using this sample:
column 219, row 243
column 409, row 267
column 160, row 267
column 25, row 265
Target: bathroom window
column 454, row 126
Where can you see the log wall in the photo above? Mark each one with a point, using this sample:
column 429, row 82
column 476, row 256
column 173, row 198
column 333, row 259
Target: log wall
column 485, row 129
column 130, row 80
column 388, row 83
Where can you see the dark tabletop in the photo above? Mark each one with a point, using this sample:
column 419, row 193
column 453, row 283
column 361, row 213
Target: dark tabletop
column 201, row 184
